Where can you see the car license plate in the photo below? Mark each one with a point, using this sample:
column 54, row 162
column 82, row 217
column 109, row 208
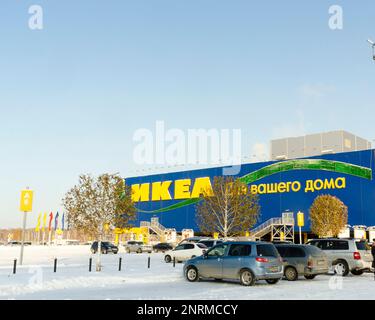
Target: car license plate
column 273, row 269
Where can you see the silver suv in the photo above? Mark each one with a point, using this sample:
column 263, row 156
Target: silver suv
column 138, row 247
column 301, row 260
column 346, row 255
column 244, row 261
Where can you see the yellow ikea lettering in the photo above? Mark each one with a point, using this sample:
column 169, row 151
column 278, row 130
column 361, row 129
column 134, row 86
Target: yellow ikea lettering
column 272, row 188
column 202, row 186
column 141, row 192
column 329, row 184
column 160, row 191
column 340, row 183
column 262, row 189
column 296, row 186
column 309, row 186
column 254, row 189
column 318, row 184
column 182, row 189
column 281, row 187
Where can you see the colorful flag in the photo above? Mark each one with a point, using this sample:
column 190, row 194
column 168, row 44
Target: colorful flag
column 37, row 228
column 50, row 221
column 56, row 220
column 44, row 221
column 62, row 221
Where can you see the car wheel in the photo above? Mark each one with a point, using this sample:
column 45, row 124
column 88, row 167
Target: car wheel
column 128, row 250
column 310, row 276
column 291, row 274
column 272, row 281
column 247, row 278
column 192, row 257
column 167, row 259
column 341, row 268
column 115, row 252
column 357, row 272
column 192, row 274
column 139, row 251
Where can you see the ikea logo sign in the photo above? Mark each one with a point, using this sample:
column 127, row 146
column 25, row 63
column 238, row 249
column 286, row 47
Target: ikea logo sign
column 182, row 189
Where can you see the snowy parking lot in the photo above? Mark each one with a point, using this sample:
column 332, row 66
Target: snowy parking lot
column 36, row 280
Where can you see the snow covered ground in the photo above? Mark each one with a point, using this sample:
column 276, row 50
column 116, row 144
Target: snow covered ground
column 36, row 280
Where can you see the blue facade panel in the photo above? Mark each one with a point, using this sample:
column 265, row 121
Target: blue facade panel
column 358, row 194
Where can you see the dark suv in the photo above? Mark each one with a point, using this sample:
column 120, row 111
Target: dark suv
column 301, row 260
column 162, row 247
column 105, row 246
column 346, row 255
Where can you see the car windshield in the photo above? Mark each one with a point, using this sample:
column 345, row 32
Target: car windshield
column 266, row 250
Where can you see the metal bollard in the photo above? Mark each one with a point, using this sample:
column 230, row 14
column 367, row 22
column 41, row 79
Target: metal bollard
column 174, row 262
column 14, row 266
column 149, row 262
column 90, row 264
column 55, row 265
column 119, row 264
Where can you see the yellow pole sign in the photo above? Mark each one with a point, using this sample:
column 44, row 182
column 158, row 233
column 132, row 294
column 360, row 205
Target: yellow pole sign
column 300, row 223
column 26, row 204
column 300, row 219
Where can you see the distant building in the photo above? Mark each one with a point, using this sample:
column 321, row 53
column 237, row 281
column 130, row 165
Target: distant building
column 317, row 144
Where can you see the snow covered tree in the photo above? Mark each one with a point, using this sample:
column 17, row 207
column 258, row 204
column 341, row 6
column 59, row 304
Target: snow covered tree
column 229, row 209
column 95, row 203
column 328, row 216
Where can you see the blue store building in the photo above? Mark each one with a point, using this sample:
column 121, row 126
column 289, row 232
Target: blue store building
column 289, row 185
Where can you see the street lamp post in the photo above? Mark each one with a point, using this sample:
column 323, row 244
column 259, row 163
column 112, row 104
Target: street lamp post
column 372, row 43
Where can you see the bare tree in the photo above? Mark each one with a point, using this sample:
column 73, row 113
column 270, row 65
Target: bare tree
column 95, row 203
column 229, row 208
column 328, row 216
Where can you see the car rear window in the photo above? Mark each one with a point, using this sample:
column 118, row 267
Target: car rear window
column 282, row 250
column 239, row 250
column 266, row 250
column 362, row 245
column 314, row 250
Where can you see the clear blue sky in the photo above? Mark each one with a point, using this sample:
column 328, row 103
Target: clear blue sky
column 72, row 94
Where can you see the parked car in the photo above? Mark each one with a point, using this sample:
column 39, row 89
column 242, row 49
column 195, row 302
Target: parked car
column 185, row 251
column 247, row 262
column 302, row 260
column 281, row 242
column 209, row 243
column 14, row 243
column 346, row 255
column 163, row 247
column 106, row 247
column 193, row 240
column 137, row 247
